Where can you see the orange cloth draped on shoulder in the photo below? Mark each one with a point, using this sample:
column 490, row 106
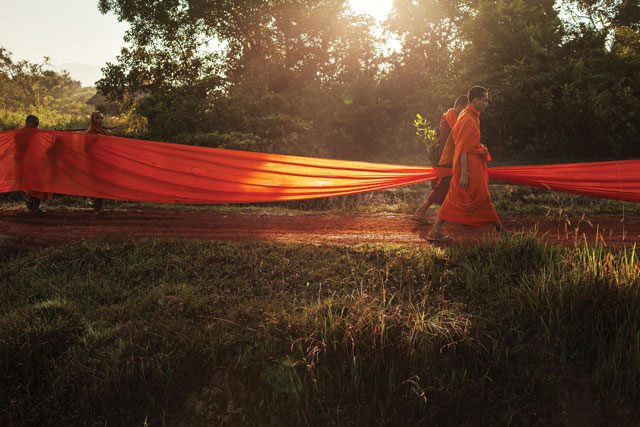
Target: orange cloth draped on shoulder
column 451, row 116
column 470, row 206
column 447, row 146
column 440, row 187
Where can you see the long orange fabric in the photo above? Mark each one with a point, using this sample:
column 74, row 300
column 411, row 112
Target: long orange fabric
column 471, row 205
column 129, row 169
column 109, row 167
column 447, row 146
column 617, row 180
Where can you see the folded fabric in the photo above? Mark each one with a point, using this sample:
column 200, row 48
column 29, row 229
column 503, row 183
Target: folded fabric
column 116, row 168
column 137, row 170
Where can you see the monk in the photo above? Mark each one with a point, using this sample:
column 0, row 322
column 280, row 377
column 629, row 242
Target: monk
column 468, row 200
column 440, row 187
column 97, row 127
column 33, row 198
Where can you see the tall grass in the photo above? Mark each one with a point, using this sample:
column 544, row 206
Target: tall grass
column 508, row 331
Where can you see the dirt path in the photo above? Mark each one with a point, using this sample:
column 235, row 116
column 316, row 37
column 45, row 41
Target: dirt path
column 61, row 226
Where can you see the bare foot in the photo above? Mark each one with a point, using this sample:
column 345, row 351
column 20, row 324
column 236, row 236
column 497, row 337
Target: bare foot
column 503, row 230
column 420, row 219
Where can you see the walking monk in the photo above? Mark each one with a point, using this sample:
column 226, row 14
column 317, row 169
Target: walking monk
column 440, row 187
column 97, row 127
column 468, row 200
column 33, row 198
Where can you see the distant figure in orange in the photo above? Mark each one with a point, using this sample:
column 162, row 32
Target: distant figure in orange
column 97, row 127
column 440, row 187
column 468, row 200
column 33, row 198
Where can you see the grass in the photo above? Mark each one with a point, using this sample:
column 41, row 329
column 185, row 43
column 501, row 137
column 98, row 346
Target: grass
column 513, row 331
column 508, row 199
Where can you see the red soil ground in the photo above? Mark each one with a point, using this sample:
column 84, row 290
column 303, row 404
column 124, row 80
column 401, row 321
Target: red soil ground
column 61, row 226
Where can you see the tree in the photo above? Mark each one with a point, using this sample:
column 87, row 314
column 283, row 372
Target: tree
column 422, row 75
column 282, row 71
column 31, row 88
column 512, row 45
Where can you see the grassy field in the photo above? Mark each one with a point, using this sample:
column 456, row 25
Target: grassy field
column 159, row 332
column 507, row 199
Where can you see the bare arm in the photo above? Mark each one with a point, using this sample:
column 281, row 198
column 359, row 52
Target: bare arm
column 464, row 171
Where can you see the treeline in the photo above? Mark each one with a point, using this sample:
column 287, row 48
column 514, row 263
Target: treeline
column 56, row 98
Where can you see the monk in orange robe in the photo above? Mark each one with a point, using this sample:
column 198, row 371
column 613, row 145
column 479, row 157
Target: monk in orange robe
column 440, row 187
column 33, row 198
column 468, row 200
column 97, row 127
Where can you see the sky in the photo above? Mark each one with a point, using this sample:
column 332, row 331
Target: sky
column 78, row 38
column 379, row 9
column 73, row 33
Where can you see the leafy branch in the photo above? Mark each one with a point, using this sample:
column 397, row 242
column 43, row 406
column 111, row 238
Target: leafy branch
column 429, row 137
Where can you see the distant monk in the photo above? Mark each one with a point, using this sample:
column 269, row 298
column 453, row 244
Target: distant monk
column 33, row 198
column 97, row 127
column 440, row 187
column 468, row 200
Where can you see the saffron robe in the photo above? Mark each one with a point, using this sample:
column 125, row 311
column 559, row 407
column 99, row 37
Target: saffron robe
column 471, row 205
column 440, row 187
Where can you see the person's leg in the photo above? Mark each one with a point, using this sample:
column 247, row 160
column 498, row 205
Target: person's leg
column 33, row 204
column 438, row 194
column 500, row 228
column 436, row 230
column 96, row 204
column 423, row 207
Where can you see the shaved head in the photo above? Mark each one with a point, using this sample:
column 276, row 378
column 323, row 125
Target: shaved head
column 31, row 121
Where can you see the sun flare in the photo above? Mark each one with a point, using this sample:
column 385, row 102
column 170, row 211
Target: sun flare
column 379, row 9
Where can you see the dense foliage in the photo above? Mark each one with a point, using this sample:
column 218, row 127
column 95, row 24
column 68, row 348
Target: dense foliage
column 312, row 77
